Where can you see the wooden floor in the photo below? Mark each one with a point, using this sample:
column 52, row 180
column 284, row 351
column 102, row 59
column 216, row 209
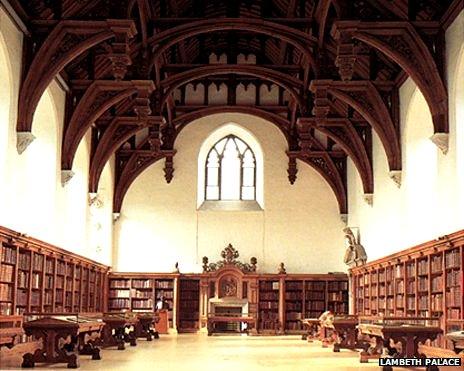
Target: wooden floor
column 194, row 352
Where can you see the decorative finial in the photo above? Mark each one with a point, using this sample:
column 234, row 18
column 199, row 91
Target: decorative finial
column 176, row 268
column 205, row 264
column 282, row 269
column 253, row 262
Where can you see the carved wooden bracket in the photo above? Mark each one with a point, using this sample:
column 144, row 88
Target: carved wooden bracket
column 366, row 99
column 402, row 43
column 129, row 169
column 357, row 146
column 65, row 42
column 169, row 167
column 117, row 132
column 120, row 53
column 332, row 170
column 230, row 258
column 292, row 169
column 99, row 97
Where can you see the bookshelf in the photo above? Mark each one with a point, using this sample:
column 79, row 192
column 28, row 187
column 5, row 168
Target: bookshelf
column 38, row 277
column 294, row 299
column 189, row 305
column 268, row 306
column 139, row 292
column 425, row 280
column 285, row 301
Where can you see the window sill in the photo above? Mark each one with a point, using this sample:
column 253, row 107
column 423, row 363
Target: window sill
column 230, row 206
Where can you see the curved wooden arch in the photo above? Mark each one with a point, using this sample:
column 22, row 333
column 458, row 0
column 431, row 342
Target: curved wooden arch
column 136, row 164
column 117, row 132
column 401, row 43
column 182, row 121
column 174, row 35
column 98, row 98
column 285, row 81
column 66, row 41
column 364, row 97
column 321, row 164
column 342, row 132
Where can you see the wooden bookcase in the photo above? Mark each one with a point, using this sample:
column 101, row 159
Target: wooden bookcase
column 268, row 305
column 38, row 277
column 189, row 305
column 139, row 292
column 425, row 280
column 286, row 299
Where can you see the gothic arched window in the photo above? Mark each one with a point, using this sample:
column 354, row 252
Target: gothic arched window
column 230, row 172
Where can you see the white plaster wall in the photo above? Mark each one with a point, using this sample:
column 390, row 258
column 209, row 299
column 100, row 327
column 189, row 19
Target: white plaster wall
column 32, row 200
column 300, row 224
column 430, row 200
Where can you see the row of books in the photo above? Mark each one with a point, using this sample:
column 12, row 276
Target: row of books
column 269, row 285
column 294, row 295
column 436, row 265
column 269, row 296
column 423, row 284
column 338, row 286
column 142, row 284
column 315, row 295
column 118, row 303
column 453, row 297
column 6, row 273
column 293, row 285
column 268, row 305
column 6, row 292
column 24, row 261
column 453, row 278
column 294, row 306
column 315, row 305
column 268, row 316
column 189, row 316
column 437, row 283
column 293, row 315
column 315, row 286
column 337, row 296
column 119, row 293
column 193, row 285
column 189, row 295
column 144, row 303
column 119, row 283
column 189, row 304
column 8, row 255
column 410, row 269
column 453, row 259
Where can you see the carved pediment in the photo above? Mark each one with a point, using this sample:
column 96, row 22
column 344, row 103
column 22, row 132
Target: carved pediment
column 229, row 258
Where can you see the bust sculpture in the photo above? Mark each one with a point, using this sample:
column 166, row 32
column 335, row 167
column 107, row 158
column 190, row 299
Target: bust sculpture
column 355, row 255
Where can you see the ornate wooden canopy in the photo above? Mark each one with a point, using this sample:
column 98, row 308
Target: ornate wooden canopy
column 337, row 65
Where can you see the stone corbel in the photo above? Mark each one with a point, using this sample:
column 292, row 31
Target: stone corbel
column 368, row 198
column 66, row 176
column 116, row 217
column 441, row 140
column 344, row 218
column 95, row 200
column 23, row 139
column 396, row 176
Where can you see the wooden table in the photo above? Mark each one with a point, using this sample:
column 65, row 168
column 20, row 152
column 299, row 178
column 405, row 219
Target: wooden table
column 213, row 320
column 145, row 326
column 457, row 338
column 11, row 329
column 346, row 333
column 312, row 326
column 63, row 339
column 395, row 339
column 114, row 332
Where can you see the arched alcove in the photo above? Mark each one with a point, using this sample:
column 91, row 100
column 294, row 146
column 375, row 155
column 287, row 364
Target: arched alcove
column 6, row 92
column 420, row 169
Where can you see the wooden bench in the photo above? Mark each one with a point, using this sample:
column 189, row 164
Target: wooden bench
column 119, row 328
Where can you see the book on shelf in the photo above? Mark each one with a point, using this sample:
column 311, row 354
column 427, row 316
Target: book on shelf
column 142, row 283
column 315, row 286
column 119, row 283
column 6, row 273
column 6, row 292
column 436, row 264
column 453, row 259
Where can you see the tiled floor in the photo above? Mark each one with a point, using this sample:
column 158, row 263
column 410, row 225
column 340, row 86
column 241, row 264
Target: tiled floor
column 219, row 353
